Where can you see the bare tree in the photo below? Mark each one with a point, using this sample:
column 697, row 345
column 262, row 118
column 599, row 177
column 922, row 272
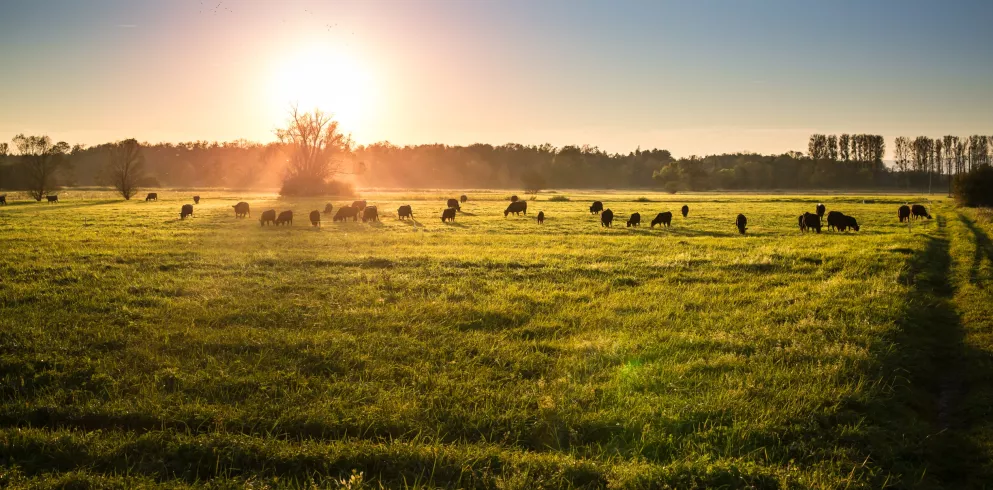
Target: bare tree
column 41, row 161
column 125, row 167
column 316, row 150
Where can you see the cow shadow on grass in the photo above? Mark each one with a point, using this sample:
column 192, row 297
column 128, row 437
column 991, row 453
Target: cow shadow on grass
column 455, row 224
column 465, row 213
column 984, row 250
column 917, row 425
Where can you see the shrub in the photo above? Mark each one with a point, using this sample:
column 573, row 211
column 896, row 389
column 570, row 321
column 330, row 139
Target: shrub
column 642, row 199
column 559, row 199
column 975, row 189
column 304, row 186
column 671, row 187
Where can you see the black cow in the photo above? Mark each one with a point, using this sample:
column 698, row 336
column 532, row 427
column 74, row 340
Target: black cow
column 904, row 213
column 315, row 218
column 810, row 222
column 3, row 199
column 187, row 210
column 454, row 203
column 285, row 218
column 52, row 199
column 541, row 217
column 820, row 209
column 346, row 212
column 919, row 211
column 268, row 217
column 838, row 221
column 514, row 198
column 516, row 207
column 464, row 198
column 634, row 220
column 663, row 219
column 359, row 205
column 328, row 208
column 152, row 196
column 803, row 225
column 606, row 218
column 196, row 199
column 741, row 222
column 241, row 210
column 448, row 215
column 685, row 210
column 405, row 211
column 370, row 214
column 596, row 207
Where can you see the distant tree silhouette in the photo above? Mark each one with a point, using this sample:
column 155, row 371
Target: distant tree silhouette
column 316, row 150
column 533, row 182
column 40, row 160
column 125, row 167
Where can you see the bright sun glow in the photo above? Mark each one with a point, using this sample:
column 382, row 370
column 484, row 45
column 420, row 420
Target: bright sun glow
column 322, row 77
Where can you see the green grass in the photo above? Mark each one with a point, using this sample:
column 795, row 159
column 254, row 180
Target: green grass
column 140, row 349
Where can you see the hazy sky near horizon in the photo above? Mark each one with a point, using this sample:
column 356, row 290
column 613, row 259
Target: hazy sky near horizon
column 693, row 76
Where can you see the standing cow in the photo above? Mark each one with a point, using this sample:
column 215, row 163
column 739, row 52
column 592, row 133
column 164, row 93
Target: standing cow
column 919, row 211
column 241, row 210
column 285, row 218
column 741, row 222
column 268, row 217
column 810, row 221
column 196, row 199
column 685, row 210
column 448, row 215
column 152, row 196
column 464, row 198
column 634, row 220
column 516, row 207
column 315, row 218
column 541, row 217
column 820, row 209
column 186, row 210
column 903, row 213
column 596, row 207
column 370, row 214
column 52, row 199
column 346, row 212
column 606, row 218
column 405, row 211
column 454, row 203
column 359, row 205
column 662, row 219
column 3, row 200
column 327, row 208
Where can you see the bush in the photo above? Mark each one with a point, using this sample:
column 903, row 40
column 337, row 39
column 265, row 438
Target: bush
column 559, row 199
column 642, row 199
column 671, row 187
column 303, row 186
column 975, row 189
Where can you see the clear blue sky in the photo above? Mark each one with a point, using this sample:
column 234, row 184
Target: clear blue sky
column 692, row 76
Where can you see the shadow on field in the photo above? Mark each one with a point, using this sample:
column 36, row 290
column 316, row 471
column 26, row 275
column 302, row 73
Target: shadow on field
column 984, row 248
column 925, row 363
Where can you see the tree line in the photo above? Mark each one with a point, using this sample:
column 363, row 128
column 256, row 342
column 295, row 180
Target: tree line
column 311, row 153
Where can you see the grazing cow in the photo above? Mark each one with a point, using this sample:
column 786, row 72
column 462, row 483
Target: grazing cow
column 187, row 210
column 919, row 211
column 285, row 218
column 685, row 210
column 454, row 203
column 541, row 217
column 359, row 205
column 741, row 222
column 52, row 199
column 196, row 199
column 634, row 220
column 516, row 207
column 405, row 211
column 328, row 208
column 315, row 218
column 803, row 225
column 514, row 198
column 448, row 215
column 820, row 209
column 606, row 218
column 596, row 207
column 3, row 199
column 241, row 210
column 268, row 217
column 811, row 222
column 370, row 214
column 838, row 221
column 152, row 196
column 904, row 213
column 663, row 219
column 464, row 198
column 346, row 212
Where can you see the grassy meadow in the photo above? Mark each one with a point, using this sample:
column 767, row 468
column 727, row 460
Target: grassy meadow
column 138, row 349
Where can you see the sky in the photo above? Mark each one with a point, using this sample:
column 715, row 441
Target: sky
column 693, row 76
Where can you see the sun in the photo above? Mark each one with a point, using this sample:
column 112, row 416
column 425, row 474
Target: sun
column 319, row 76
